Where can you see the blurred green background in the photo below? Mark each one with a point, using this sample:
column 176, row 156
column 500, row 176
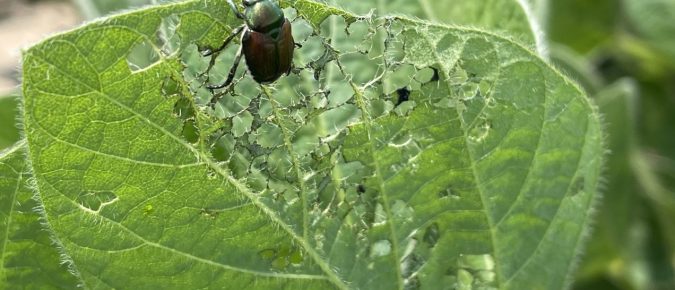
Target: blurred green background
column 621, row 51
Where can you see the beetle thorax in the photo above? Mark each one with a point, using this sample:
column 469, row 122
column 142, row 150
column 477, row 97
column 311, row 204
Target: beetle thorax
column 263, row 15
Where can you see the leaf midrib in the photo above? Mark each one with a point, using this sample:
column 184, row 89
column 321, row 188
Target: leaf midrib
column 578, row 95
column 472, row 162
column 332, row 276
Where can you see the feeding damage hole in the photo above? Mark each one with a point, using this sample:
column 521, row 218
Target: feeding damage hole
column 298, row 143
column 95, row 201
column 142, row 56
column 289, row 138
column 282, row 256
column 403, row 95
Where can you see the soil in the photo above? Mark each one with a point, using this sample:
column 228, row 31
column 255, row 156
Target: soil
column 24, row 23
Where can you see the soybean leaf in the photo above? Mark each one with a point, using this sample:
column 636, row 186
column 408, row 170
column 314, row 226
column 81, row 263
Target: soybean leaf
column 631, row 248
column 652, row 20
column 618, row 104
column 577, row 67
column 8, row 112
column 457, row 157
column 582, row 25
column 510, row 17
column 28, row 258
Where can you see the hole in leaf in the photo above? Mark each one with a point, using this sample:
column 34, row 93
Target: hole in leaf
column 432, row 234
column 96, row 200
column 141, row 56
column 403, row 95
column 209, row 213
column 170, row 87
column 222, row 149
column 412, row 283
column 168, row 38
column 436, row 76
column 380, row 248
column 448, row 192
column 269, row 135
column 282, row 257
column 183, row 109
column 190, row 131
column 476, row 262
column 360, row 188
column 480, row 131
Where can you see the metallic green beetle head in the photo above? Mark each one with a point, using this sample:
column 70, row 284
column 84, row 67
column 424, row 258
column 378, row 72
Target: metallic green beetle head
column 263, row 15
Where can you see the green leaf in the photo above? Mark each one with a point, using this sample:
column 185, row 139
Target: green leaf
column 576, row 67
column 457, row 158
column 509, row 17
column 629, row 246
column 28, row 259
column 652, row 20
column 8, row 111
column 580, row 24
column 608, row 243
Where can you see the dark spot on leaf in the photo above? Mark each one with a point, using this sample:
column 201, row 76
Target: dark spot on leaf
column 257, row 150
column 578, row 185
column 432, row 234
column 451, row 271
column 473, row 78
column 360, row 188
column 436, row 77
column 610, row 67
column 412, row 264
column 412, row 283
column 448, row 192
column 403, row 95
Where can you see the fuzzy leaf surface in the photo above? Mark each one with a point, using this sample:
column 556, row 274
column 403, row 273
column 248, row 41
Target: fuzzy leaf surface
column 28, row 258
column 456, row 158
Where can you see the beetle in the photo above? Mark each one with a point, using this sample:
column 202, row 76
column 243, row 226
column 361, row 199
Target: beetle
column 266, row 42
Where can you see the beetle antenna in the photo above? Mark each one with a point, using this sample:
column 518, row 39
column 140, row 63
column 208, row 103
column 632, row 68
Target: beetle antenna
column 236, row 10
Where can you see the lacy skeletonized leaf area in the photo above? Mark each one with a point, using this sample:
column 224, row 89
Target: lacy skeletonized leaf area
column 396, row 154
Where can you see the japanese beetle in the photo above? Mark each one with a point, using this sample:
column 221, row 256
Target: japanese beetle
column 266, row 42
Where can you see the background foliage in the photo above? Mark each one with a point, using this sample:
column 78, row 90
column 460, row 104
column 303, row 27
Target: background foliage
column 622, row 52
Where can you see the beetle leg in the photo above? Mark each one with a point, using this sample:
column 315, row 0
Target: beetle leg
column 214, row 53
column 230, row 76
column 235, row 32
column 235, row 10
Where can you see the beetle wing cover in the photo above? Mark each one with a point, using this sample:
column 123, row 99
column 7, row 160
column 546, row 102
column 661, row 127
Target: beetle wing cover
column 268, row 57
